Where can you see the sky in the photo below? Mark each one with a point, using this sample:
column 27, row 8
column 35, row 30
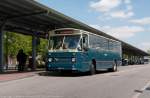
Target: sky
column 127, row 20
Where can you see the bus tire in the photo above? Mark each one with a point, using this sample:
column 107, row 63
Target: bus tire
column 92, row 69
column 114, row 68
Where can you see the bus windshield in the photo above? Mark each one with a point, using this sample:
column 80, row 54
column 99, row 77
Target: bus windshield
column 64, row 42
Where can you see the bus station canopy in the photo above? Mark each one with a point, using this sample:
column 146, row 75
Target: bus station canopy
column 30, row 17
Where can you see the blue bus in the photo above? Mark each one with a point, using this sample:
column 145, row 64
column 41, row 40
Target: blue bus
column 82, row 51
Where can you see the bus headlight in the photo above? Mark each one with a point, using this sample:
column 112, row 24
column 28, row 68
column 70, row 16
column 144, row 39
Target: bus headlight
column 50, row 59
column 73, row 59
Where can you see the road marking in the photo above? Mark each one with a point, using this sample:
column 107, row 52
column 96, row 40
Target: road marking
column 141, row 90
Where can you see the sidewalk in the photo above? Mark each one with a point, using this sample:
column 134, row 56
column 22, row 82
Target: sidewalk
column 14, row 75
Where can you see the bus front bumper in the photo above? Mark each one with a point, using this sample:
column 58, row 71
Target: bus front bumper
column 63, row 67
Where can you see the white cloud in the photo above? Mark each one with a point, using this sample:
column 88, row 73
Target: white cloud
column 121, row 14
column 122, row 32
column 145, row 46
column 143, row 21
column 110, row 8
column 105, row 5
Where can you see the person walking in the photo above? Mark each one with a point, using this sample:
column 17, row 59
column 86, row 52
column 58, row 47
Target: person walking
column 21, row 58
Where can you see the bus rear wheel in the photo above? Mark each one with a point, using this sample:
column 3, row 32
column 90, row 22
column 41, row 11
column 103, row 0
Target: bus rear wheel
column 114, row 68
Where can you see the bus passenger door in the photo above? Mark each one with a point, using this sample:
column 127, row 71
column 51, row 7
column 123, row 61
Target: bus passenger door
column 85, row 53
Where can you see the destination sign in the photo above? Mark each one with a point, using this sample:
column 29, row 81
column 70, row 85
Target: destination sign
column 64, row 32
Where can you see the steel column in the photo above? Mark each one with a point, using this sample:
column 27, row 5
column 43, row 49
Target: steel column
column 34, row 51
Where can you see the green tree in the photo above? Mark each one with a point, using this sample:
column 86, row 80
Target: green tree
column 14, row 41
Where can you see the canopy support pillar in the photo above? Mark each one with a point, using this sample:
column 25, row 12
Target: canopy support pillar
column 34, row 51
column 1, row 48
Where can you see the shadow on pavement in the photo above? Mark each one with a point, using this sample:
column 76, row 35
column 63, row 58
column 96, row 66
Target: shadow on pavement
column 68, row 74
column 138, row 91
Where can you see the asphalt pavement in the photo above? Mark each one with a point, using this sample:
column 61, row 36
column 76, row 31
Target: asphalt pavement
column 128, row 82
